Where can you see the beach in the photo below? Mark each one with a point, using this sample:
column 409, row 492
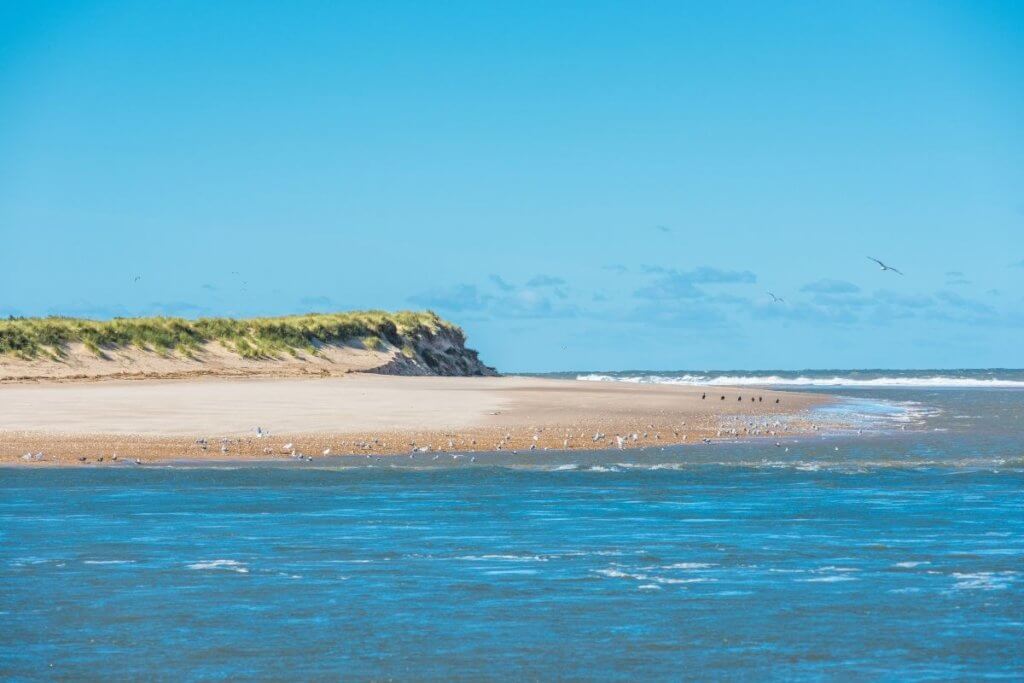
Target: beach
column 200, row 419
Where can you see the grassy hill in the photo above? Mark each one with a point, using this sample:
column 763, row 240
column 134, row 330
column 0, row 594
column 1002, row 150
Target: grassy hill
column 423, row 337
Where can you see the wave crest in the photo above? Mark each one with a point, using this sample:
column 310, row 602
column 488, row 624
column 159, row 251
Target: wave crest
column 806, row 381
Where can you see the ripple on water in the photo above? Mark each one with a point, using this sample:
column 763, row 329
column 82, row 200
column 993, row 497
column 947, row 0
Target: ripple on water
column 617, row 573
column 986, row 581
column 503, row 558
column 688, row 565
column 220, row 565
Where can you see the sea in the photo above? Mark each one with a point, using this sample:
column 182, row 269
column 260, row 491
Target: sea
column 887, row 547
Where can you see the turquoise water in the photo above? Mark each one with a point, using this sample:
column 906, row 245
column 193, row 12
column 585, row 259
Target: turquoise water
column 898, row 556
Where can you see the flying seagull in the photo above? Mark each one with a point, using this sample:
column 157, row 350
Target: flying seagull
column 883, row 266
column 776, row 299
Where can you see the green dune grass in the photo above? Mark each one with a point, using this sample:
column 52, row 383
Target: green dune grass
column 30, row 338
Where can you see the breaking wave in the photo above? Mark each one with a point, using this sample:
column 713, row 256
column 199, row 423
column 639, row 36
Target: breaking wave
column 807, row 381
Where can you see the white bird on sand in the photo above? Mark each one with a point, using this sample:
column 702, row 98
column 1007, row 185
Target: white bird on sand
column 883, row 266
column 776, row 299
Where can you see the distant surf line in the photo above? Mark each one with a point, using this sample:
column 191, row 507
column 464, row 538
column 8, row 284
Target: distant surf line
column 805, row 381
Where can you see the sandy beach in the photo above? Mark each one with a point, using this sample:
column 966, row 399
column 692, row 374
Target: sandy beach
column 216, row 418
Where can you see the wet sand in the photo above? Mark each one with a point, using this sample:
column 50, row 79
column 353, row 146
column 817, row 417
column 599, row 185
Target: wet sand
column 216, row 419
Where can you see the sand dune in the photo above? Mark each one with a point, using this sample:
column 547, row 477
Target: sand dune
column 211, row 359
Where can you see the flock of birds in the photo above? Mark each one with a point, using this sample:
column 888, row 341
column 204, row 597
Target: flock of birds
column 504, row 444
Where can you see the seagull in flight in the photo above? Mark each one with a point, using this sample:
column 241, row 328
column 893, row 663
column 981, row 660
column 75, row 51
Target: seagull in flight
column 776, row 299
column 883, row 266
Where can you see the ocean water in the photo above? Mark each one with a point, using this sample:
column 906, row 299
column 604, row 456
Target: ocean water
column 946, row 379
column 893, row 549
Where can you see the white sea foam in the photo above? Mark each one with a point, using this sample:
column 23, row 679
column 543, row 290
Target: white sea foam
column 828, row 579
column 987, row 581
column 108, row 562
column 835, row 381
column 22, row 561
column 224, row 565
column 618, row 574
column 672, row 581
column 687, row 565
column 909, row 565
column 588, row 553
column 503, row 558
column 649, row 467
column 613, row 573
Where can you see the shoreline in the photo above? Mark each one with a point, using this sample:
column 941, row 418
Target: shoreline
column 107, row 449
column 360, row 414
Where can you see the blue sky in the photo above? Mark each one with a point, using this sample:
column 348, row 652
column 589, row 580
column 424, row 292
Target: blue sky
column 580, row 185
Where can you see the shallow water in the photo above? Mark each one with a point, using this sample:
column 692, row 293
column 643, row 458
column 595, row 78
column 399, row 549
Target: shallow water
column 899, row 555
